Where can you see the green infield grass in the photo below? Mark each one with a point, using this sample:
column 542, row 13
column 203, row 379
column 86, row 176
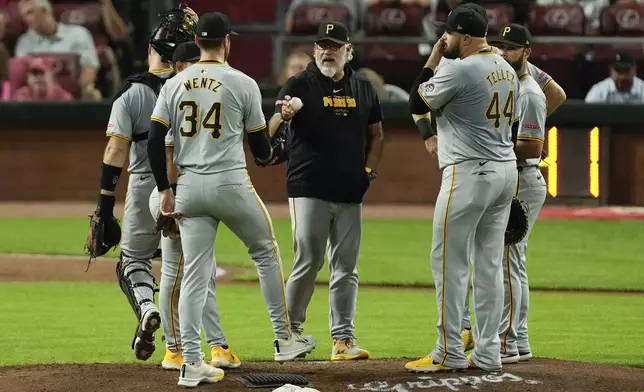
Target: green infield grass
column 92, row 322
column 577, row 255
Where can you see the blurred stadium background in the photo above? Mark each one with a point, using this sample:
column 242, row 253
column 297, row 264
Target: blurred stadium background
column 596, row 150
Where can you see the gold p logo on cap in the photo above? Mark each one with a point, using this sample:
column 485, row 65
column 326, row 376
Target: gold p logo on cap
column 329, row 27
column 506, row 30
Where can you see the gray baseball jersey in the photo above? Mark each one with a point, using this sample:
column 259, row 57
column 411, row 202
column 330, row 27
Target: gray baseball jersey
column 130, row 116
column 532, row 108
column 477, row 124
column 541, row 77
column 209, row 107
column 208, row 142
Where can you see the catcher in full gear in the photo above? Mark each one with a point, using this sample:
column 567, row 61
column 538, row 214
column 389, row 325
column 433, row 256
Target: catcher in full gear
column 127, row 131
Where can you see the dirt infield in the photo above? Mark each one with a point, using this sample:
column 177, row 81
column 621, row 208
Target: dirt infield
column 539, row 375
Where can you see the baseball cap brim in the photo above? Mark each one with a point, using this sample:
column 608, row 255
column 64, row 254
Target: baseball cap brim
column 501, row 40
column 330, row 39
column 444, row 26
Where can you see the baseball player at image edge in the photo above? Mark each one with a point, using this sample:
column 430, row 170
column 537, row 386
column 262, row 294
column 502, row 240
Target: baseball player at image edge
column 211, row 106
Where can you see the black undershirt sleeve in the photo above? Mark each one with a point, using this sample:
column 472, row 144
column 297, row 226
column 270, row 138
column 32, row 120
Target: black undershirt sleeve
column 260, row 145
column 156, row 154
column 416, row 103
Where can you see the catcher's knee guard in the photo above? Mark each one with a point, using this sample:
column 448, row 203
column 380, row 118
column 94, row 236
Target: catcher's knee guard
column 127, row 286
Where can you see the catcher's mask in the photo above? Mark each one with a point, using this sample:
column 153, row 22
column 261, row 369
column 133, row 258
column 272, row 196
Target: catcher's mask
column 176, row 27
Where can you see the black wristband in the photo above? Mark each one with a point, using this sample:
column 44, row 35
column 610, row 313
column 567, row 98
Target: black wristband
column 424, row 125
column 106, row 206
column 110, row 176
column 174, row 188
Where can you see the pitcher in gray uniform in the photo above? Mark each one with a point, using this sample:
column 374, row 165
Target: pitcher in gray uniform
column 184, row 56
column 211, row 106
column 128, row 131
column 531, row 104
column 473, row 100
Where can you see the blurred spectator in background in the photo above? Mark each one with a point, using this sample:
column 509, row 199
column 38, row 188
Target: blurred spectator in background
column 294, row 63
column 355, row 8
column 45, row 35
column 41, row 84
column 592, row 9
column 4, row 53
column 116, row 28
column 622, row 86
column 385, row 92
column 429, row 30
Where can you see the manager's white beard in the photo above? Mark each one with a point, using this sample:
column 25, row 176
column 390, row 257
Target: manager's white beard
column 330, row 70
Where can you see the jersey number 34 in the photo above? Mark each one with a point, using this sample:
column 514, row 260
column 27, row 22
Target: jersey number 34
column 211, row 121
column 493, row 112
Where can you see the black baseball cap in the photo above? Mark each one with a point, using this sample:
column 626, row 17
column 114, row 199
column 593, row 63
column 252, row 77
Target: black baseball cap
column 623, row 62
column 186, row 52
column 465, row 20
column 214, row 25
column 513, row 35
column 333, row 31
column 476, row 7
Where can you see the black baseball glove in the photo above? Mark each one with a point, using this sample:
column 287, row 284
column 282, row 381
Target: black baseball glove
column 278, row 143
column 104, row 229
column 167, row 226
column 517, row 227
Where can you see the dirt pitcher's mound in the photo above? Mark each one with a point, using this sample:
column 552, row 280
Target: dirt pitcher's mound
column 543, row 375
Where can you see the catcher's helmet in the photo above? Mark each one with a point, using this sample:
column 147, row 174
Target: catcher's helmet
column 176, row 27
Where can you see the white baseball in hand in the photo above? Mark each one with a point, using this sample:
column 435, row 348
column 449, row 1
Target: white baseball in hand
column 296, row 104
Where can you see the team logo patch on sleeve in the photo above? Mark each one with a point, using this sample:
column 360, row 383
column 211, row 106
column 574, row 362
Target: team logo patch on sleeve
column 427, row 87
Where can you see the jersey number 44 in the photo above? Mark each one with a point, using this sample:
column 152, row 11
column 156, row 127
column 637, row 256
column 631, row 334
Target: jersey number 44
column 493, row 112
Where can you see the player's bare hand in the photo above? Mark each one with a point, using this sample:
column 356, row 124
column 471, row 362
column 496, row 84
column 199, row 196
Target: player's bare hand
column 437, row 53
column 287, row 110
column 192, row 13
column 431, row 145
column 167, row 204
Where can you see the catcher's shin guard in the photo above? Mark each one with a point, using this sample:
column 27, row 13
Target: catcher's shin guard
column 128, row 287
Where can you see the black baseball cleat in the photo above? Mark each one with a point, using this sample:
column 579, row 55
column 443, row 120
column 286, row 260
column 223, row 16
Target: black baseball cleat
column 143, row 342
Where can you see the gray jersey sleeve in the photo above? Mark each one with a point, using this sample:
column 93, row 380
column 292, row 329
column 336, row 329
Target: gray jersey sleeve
column 533, row 117
column 541, row 77
column 441, row 88
column 161, row 111
column 254, row 119
column 121, row 123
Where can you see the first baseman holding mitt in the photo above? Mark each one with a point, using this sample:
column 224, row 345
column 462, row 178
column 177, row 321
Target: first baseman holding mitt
column 531, row 106
column 128, row 132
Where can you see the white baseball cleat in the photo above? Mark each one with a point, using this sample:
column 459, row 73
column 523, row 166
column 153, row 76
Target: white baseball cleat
column 509, row 358
column 190, row 376
column 297, row 346
column 525, row 355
